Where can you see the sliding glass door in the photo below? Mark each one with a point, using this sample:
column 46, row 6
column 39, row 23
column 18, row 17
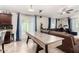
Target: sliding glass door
column 27, row 23
column 75, row 24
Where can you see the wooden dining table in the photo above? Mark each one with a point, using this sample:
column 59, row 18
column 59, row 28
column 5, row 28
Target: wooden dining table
column 43, row 40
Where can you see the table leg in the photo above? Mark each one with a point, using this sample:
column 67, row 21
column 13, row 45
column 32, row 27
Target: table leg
column 38, row 48
column 3, row 48
column 27, row 39
column 46, row 48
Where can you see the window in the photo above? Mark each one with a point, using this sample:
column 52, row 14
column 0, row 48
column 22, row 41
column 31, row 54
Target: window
column 75, row 24
column 53, row 23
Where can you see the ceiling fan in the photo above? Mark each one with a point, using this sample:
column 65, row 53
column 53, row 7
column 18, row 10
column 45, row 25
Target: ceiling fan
column 67, row 11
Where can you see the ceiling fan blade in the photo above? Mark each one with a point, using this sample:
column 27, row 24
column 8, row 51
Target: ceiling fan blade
column 77, row 11
column 67, row 12
column 70, row 10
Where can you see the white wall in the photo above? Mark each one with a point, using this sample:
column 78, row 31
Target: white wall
column 63, row 21
column 14, row 23
column 43, row 20
column 59, row 22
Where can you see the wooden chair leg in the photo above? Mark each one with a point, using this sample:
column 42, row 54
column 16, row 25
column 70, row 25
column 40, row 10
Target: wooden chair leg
column 46, row 48
column 3, row 48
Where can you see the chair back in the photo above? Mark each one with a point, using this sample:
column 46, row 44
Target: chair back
column 2, row 36
column 7, row 37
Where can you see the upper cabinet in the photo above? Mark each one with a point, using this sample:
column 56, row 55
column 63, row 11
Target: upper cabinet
column 5, row 18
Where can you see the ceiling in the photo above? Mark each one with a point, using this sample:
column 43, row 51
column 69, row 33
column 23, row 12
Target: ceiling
column 54, row 11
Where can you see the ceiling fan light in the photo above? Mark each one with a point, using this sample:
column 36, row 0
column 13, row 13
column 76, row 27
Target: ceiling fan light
column 31, row 10
column 64, row 12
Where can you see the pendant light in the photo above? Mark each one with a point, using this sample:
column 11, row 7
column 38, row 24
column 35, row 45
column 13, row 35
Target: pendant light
column 31, row 9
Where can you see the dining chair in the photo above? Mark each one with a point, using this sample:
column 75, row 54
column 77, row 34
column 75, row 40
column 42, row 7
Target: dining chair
column 2, row 35
column 5, row 39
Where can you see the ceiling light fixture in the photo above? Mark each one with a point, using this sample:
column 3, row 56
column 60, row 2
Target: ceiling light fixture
column 64, row 12
column 31, row 9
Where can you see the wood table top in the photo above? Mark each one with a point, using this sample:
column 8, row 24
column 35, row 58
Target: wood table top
column 45, row 38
